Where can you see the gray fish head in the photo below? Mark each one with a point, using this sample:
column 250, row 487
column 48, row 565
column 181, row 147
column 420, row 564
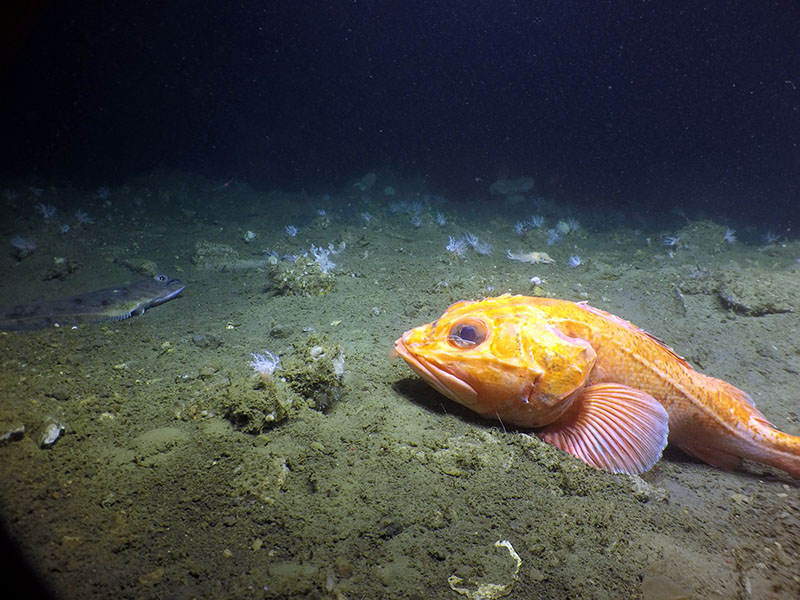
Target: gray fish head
column 167, row 288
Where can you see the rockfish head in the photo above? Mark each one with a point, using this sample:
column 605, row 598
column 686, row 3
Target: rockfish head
column 502, row 358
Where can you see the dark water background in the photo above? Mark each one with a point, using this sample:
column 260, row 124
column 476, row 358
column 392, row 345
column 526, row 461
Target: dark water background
column 639, row 106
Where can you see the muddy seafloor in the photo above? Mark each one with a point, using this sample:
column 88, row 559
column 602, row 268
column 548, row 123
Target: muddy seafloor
column 389, row 490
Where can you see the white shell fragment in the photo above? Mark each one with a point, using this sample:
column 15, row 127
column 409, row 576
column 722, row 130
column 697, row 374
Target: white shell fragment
column 490, row 591
column 51, row 434
column 12, row 435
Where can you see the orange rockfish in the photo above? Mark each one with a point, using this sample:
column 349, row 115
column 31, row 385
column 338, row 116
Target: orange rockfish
column 593, row 385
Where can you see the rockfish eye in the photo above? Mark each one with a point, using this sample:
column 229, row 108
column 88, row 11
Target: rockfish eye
column 467, row 334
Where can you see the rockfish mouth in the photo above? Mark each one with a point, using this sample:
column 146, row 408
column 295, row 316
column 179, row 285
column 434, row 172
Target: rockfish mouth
column 438, row 378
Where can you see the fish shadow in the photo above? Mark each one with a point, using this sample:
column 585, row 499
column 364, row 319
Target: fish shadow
column 424, row 396
column 428, row 399
column 748, row 468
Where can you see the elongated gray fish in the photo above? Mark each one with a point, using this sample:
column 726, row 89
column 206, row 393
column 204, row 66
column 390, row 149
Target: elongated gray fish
column 109, row 304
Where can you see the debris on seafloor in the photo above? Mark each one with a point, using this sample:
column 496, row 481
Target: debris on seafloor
column 12, row 435
column 750, row 292
column 215, row 257
column 659, row 587
column 52, row 432
column 533, row 258
column 489, row 591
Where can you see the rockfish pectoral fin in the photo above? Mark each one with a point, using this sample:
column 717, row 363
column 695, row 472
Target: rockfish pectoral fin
column 612, row 427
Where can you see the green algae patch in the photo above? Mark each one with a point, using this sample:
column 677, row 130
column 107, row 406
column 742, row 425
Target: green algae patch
column 253, row 407
column 310, row 377
column 315, row 371
column 300, row 277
